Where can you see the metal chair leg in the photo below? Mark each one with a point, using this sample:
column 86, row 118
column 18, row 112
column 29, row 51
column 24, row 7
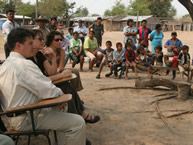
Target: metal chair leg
column 16, row 142
column 55, row 136
column 48, row 138
column 29, row 138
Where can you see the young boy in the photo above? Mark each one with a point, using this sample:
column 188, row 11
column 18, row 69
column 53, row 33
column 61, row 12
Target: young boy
column 118, row 60
column 173, row 63
column 130, row 60
column 158, row 56
column 76, row 51
column 107, row 59
column 70, row 33
column 184, row 61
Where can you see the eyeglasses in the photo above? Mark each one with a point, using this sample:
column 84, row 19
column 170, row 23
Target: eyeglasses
column 57, row 40
column 40, row 38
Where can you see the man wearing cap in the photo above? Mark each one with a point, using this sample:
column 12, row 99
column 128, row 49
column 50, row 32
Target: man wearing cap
column 81, row 30
column 9, row 25
column 98, row 29
column 171, row 44
column 41, row 21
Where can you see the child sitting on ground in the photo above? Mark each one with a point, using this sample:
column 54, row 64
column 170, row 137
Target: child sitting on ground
column 184, row 62
column 173, row 63
column 119, row 60
column 142, row 59
column 107, row 59
column 76, row 51
column 129, row 40
column 130, row 60
column 158, row 56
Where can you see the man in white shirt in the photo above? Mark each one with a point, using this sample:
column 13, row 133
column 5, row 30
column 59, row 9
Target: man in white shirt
column 81, row 30
column 22, row 83
column 9, row 25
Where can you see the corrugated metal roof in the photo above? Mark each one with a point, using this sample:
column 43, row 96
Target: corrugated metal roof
column 17, row 16
column 88, row 19
column 140, row 18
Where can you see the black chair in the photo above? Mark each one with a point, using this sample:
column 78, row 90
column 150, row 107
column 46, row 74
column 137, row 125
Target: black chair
column 12, row 112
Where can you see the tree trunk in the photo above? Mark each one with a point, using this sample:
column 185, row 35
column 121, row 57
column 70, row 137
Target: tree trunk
column 188, row 5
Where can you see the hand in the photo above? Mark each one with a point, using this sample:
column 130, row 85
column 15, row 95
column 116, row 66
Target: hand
column 66, row 73
column 49, row 51
column 62, row 106
column 173, row 46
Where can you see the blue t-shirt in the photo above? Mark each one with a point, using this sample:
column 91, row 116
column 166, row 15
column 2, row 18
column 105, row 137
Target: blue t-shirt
column 156, row 39
column 177, row 44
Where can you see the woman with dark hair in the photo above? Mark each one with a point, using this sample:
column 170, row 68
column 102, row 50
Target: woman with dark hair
column 75, row 105
column 156, row 37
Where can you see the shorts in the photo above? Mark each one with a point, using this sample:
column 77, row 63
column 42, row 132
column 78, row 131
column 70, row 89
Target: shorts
column 104, row 61
column 130, row 61
column 169, row 54
column 159, row 64
column 181, row 69
column 92, row 56
column 76, row 58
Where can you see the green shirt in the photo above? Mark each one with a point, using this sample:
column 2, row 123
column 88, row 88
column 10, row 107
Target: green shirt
column 90, row 44
column 75, row 44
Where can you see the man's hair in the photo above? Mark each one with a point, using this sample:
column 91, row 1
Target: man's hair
column 109, row 42
column 18, row 35
column 50, row 37
column 144, row 21
column 12, row 11
column 128, row 45
column 54, row 18
column 174, row 33
column 140, row 47
column 75, row 33
column 69, row 29
column 118, row 44
column 157, row 26
column 99, row 18
column 91, row 32
column 159, row 47
column 128, row 21
column 185, row 47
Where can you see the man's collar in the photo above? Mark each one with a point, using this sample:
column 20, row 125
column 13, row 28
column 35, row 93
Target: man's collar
column 16, row 54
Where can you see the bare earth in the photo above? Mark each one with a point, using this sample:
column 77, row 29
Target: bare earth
column 127, row 117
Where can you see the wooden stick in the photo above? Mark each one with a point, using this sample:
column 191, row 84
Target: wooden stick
column 179, row 114
column 167, row 98
column 169, row 93
column 117, row 88
column 163, row 117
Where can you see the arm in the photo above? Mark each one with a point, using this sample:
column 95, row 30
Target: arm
column 130, row 33
column 90, row 27
column 65, row 73
column 62, row 60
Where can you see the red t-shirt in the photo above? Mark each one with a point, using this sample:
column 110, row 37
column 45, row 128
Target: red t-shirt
column 175, row 61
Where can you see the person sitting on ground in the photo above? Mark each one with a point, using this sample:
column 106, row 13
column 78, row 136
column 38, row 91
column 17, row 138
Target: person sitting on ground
column 119, row 60
column 70, row 33
column 171, row 44
column 184, row 62
column 158, row 56
column 129, row 40
column 76, row 51
column 91, row 50
column 26, row 84
column 142, row 59
column 173, row 63
column 130, row 60
column 107, row 59
column 53, row 42
column 75, row 105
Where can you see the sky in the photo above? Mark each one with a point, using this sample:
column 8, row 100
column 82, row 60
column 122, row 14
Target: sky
column 99, row 6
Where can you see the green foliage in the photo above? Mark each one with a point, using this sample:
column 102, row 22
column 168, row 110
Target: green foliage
column 94, row 15
column 118, row 9
column 26, row 9
column 81, row 12
column 186, row 16
column 139, row 6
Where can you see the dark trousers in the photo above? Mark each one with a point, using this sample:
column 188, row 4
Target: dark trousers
column 7, row 50
column 75, row 105
column 115, row 66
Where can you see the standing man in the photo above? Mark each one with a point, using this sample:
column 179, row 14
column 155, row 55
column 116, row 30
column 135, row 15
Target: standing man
column 9, row 25
column 42, row 21
column 98, row 29
column 53, row 24
column 130, row 31
column 144, row 32
column 81, row 30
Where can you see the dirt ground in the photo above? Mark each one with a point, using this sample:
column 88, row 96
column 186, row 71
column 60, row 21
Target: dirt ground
column 127, row 116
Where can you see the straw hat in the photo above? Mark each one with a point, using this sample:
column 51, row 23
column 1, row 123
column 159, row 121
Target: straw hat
column 42, row 18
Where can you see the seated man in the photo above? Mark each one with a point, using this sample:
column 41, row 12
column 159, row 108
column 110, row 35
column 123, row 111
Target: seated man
column 171, row 44
column 91, row 50
column 22, row 83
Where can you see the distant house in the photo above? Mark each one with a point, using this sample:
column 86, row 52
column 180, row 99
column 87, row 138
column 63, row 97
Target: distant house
column 21, row 20
column 87, row 20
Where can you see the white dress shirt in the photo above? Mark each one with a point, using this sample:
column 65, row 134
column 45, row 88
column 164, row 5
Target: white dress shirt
column 7, row 27
column 80, row 29
column 22, row 83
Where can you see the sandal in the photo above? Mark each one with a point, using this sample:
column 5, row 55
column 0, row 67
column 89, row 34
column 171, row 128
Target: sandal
column 93, row 119
column 108, row 75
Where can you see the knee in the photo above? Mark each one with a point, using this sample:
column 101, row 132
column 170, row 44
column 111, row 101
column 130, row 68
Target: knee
column 6, row 140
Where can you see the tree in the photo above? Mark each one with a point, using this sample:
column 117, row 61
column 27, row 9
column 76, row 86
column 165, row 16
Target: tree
column 95, row 15
column 188, row 4
column 81, row 12
column 118, row 9
column 26, row 9
column 139, row 6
